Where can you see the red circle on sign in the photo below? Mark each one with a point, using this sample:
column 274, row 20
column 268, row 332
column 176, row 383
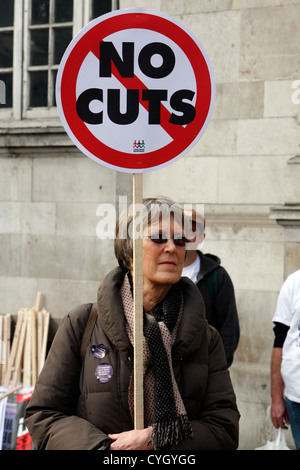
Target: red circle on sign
column 183, row 137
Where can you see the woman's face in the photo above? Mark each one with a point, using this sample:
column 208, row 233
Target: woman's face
column 163, row 262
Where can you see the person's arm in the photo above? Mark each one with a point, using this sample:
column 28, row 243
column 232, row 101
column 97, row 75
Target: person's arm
column 225, row 312
column 51, row 413
column 279, row 414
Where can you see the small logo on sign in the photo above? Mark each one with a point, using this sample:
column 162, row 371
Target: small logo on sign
column 139, row 146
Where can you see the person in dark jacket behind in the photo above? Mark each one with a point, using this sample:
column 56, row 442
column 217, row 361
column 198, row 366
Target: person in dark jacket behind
column 215, row 285
column 189, row 401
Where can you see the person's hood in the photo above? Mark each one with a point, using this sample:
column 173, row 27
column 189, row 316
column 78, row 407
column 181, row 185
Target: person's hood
column 208, row 263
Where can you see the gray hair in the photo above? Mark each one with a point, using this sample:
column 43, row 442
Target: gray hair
column 151, row 211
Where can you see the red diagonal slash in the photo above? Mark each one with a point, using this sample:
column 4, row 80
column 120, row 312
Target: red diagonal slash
column 134, row 83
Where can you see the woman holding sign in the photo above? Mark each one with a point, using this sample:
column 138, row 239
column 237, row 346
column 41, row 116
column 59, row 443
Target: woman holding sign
column 189, row 402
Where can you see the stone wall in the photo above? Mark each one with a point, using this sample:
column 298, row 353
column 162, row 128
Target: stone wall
column 240, row 170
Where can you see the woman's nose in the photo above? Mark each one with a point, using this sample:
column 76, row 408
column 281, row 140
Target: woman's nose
column 170, row 245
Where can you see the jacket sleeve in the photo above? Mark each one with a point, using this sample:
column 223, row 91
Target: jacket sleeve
column 218, row 425
column 226, row 314
column 51, row 413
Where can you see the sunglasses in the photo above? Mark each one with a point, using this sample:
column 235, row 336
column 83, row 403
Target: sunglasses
column 160, row 239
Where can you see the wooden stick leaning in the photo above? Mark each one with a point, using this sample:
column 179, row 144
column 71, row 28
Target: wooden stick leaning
column 6, row 339
column 4, row 344
column 12, row 390
column 33, row 346
column 13, row 351
column 34, row 336
column 46, row 316
column 5, row 321
column 25, row 359
column 27, row 351
column 38, row 302
column 20, row 349
column 39, row 339
column 138, row 305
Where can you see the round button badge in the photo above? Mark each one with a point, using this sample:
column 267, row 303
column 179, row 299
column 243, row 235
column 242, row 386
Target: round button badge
column 104, row 373
column 141, row 75
column 99, row 350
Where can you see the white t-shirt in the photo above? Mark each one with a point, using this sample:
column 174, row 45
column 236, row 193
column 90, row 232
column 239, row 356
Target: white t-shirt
column 288, row 313
column 192, row 270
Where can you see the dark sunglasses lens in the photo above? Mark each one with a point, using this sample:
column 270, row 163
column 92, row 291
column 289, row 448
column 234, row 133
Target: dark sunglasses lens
column 158, row 238
column 179, row 241
column 159, row 241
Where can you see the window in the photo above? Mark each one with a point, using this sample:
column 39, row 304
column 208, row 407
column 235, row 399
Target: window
column 50, row 30
column 32, row 45
column 101, row 7
column 6, row 52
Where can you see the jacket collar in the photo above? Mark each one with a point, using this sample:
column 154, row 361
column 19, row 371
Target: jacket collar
column 110, row 309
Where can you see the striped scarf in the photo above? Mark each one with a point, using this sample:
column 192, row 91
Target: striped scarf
column 163, row 406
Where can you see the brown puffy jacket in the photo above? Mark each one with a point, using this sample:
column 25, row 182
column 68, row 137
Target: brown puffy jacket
column 71, row 409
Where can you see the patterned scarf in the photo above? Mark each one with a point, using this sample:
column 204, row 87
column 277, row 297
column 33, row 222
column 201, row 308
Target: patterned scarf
column 163, row 406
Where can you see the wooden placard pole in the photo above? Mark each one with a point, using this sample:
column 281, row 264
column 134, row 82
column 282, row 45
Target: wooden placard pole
column 138, row 304
column 46, row 321
column 14, row 347
column 20, row 350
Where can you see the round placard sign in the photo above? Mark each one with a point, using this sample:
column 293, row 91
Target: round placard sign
column 135, row 90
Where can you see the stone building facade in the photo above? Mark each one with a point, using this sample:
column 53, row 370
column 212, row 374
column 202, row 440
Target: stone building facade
column 245, row 170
